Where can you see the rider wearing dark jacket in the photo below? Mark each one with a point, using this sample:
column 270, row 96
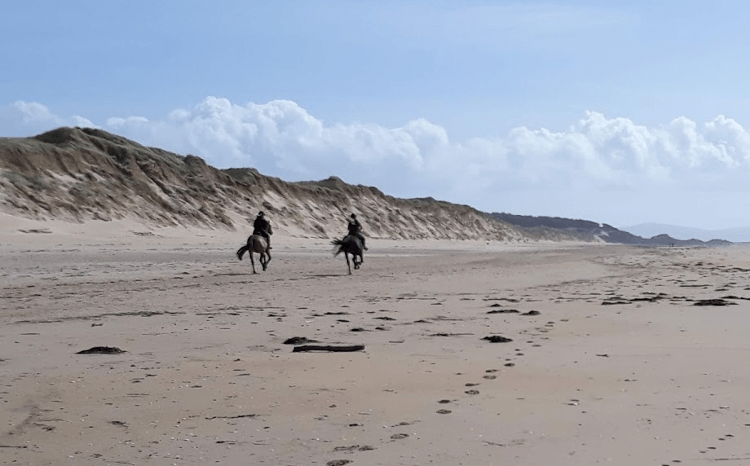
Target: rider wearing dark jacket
column 355, row 228
column 262, row 227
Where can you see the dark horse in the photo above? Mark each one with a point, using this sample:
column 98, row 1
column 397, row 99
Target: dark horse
column 349, row 245
column 256, row 243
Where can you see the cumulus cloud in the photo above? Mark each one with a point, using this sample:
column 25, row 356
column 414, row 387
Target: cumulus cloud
column 282, row 139
column 23, row 118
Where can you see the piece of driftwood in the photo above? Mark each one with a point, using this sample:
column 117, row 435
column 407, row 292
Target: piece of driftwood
column 102, row 350
column 329, row 348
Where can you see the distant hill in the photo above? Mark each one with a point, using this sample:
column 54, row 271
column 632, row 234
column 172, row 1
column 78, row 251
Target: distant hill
column 736, row 235
column 604, row 232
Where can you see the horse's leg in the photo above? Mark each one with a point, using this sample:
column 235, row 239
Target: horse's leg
column 346, row 254
column 268, row 257
column 252, row 261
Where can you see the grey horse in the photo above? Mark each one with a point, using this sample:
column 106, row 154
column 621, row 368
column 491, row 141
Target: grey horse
column 256, row 244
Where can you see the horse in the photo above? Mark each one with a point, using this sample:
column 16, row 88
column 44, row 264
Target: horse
column 256, row 243
column 349, row 245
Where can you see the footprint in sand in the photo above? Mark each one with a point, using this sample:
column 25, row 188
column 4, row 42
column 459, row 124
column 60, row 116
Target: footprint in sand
column 444, row 411
column 353, row 448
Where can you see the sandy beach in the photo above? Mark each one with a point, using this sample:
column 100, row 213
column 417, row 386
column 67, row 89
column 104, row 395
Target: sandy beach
column 609, row 354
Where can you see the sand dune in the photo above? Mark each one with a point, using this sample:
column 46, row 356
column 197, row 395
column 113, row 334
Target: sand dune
column 80, row 174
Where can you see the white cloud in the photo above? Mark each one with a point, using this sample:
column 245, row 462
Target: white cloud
column 24, row 118
column 596, row 154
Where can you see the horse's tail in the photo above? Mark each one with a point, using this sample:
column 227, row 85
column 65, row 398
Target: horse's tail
column 241, row 252
column 339, row 243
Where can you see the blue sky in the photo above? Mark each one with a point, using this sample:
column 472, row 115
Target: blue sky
column 613, row 111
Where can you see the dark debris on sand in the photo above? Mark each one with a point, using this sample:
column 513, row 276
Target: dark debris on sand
column 328, row 348
column 102, row 350
column 713, row 302
column 299, row 341
column 497, row 339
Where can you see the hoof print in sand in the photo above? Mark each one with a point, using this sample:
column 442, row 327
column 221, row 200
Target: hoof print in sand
column 102, row 350
column 354, row 448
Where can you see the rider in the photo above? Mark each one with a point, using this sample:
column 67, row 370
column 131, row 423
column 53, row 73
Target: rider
column 355, row 228
column 262, row 227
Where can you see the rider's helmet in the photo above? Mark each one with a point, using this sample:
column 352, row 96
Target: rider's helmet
column 260, row 214
column 354, row 215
